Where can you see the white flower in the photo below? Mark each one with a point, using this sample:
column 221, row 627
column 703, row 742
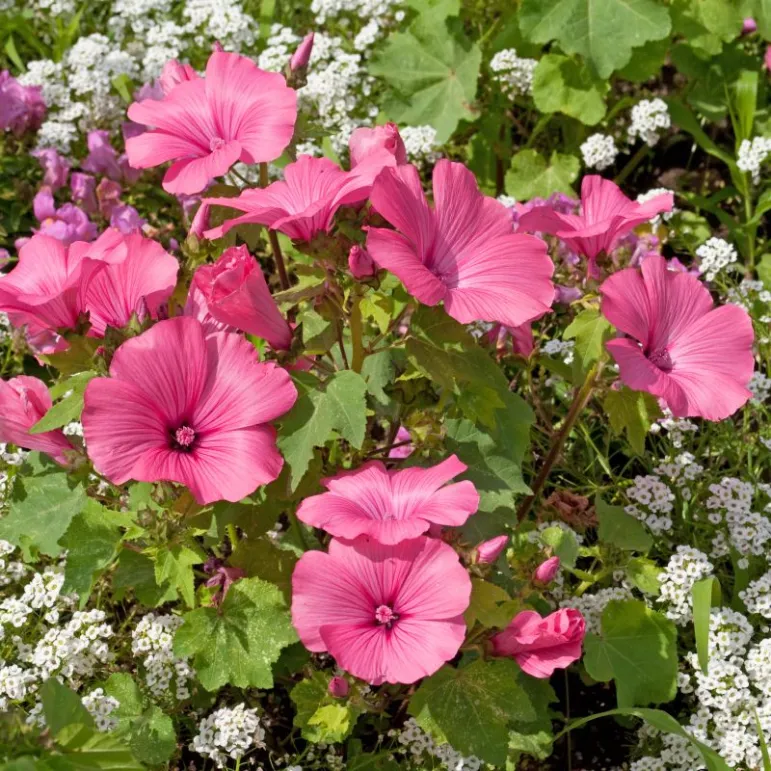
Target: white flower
column 101, row 707
column 420, row 143
column 512, row 72
column 715, row 256
column 599, row 151
column 684, row 569
column 228, row 734
column 649, row 119
column 653, row 193
column 752, row 155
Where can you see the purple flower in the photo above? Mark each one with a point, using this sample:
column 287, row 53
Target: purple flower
column 108, row 195
column 102, row 158
column 564, row 295
column 129, row 174
column 67, row 224
column 55, row 168
column 83, row 191
column 21, row 107
column 5, row 257
column 405, row 450
column 126, row 219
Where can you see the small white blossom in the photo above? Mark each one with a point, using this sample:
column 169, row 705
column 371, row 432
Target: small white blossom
column 715, row 256
column 649, row 120
column 599, row 151
column 513, row 73
column 752, row 155
column 228, row 734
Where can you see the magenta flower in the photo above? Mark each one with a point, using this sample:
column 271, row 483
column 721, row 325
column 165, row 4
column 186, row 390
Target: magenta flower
column 232, row 294
column 463, row 251
column 360, row 263
column 21, row 107
column 302, row 55
column 366, row 142
column 547, row 571
column 391, row 505
column 23, row 402
column 607, row 215
column 385, row 613
column 55, row 168
column 301, row 205
column 45, row 290
column 541, row 645
column 238, row 112
column 102, row 158
column 183, row 407
column 172, row 75
column 338, row 687
column 67, row 224
column 404, row 450
column 138, row 278
column 488, row 551
column 695, row 357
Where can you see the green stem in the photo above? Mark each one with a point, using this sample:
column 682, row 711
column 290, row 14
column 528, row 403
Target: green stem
column 749, row 230
column 273, row 237
column 632, row 164
column 357, row 340
column 579, row 402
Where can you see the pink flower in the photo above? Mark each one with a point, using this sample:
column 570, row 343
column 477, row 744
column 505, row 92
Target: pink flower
column 233, row 294
column 138, row 278
column 187, row 408
column 366, row 142
column 301, row 205
column 21, row 107
column 386, row 613
column 695, row 357
column 237, row 112
column 108, row 193
column 607, row 215
column 360, row 263
column 547, row 571
column 391, row 505
column 55, row 168
column 83, row 191
column 302, row 55
column 102, row 158
column 338, row 687
column 23, row 402
column 200, row 222
column 66, row 224
column 173, row 74
column 541, row 645
column 223, row 577
column 45, row 290
column 488, row 551
column 405, row 450
column 749, row 25
column 463, row 251
column 522, row 342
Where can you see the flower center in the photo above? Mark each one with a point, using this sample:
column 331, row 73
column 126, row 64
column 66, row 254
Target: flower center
column 215, row 143
column 184, row 437
column 385, row 616
column 661, row 359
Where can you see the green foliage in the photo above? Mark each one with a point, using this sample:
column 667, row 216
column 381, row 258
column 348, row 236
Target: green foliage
column 704, row 595
column 238, row 642
column 320, row 716
column 620, row 529
column 70, row 407
column 530, row 176
column 591, row 330
column 561, row 84
column 636, row 648
column 631, row 413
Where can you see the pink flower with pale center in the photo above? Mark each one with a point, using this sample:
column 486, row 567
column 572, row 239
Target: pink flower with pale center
column 233, row 294
column 185, row 407
column 23, row 402
column 391, row 505
column 541, row 645
column 138, row 278
column 606, row 216
column 386, row 613
column 238, row 112
column 462, row 251
column 695, row 357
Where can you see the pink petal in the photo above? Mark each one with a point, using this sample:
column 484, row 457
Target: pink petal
column 625, row 303
column 193, row 174
column 634, row 368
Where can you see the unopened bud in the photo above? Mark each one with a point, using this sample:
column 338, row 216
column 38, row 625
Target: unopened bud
column 338, row 687
column 547, row 571
column 489, row 551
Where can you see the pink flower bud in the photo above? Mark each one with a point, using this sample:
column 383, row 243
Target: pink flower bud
column 360, row 263
column 489, row 551
column 200, row 221
column 749, row 26
column 302, row 55
column 217, row 47
column 338, row 687
column 547, row 571
column 175, row 73
column 367, row 142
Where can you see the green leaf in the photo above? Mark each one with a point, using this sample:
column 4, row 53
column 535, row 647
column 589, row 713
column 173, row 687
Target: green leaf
column 378, row 372
column 321, row 716
column 644, row 574
column 62, row 707
column 631, row 412
column 338, row 405
column 94, row 750
column 604, row 32
column 705, row 594
column 764, row 270
column 148, row 731
column 529, row 176
column 93, row 540
column 137, row 572
column 621, row 529
column 368, row 761
column 490, row 605
column 745, row 92
column 318, row 333
column 637, row 648
column 433, row 70
column 561, row 84
column 663, row 722
column 263, row 559
column 535, row 739
column 470, row 708
column 41, row 517
column 707, row 24
column 174, row 565
column 563, row 543
column 591, row 330
column 69, row 408
column 646, row 62
column 238, row 642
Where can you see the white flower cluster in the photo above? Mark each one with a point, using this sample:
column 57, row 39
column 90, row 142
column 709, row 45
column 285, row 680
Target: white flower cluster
column 514, row 73
column 5, row 327
column 752, row 155
column 420, row 144
column 676, row 428
column 715, row 256
column 362, row 9
column 279, row 49
column 757, row 596
column 599, row 151
column 101, row 707
column 228, row 733
column 152, row 643
column 11, row 571
column 682, row 470
column 684, row 569
column 653, row 193
column 649, row 120
column 593, row 605
column 748, row 294
column 565, row 349
column 418, row 743
column 760, row 385
column 656, row 499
